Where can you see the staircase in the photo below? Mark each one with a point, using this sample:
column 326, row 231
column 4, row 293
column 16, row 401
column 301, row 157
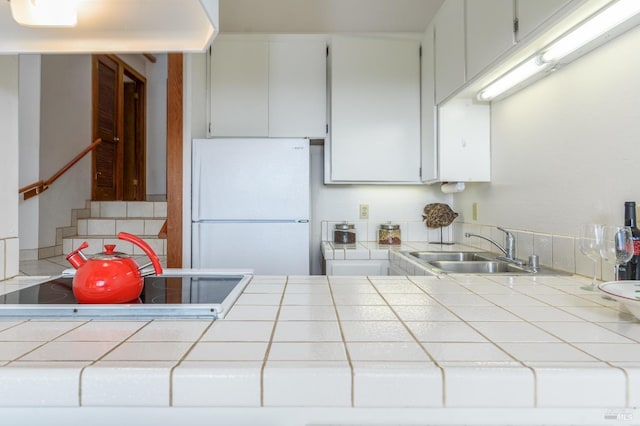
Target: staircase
column 101, row 221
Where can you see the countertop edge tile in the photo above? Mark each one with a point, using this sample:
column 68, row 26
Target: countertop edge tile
column 489, row 387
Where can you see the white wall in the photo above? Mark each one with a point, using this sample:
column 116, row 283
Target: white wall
column 29, row 153
column 566, row 150
column 156, row 75
column 65, row 130
column 9, row 88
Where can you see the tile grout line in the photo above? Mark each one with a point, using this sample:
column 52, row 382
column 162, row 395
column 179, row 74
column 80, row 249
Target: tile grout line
column 273, row 332
column 91, row 363
column 184, row 356
column 441, row 368
column 344, row 342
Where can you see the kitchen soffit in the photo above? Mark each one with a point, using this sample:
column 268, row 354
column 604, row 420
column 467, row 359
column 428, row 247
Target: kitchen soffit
column 118, row 26
column 326, row 16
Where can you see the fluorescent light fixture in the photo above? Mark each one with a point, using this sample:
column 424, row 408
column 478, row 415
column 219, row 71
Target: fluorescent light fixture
column 45, row 13
column 517, row 75
column 596, row 26
column 591, row 29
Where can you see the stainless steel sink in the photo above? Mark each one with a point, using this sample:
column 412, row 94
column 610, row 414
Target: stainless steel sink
column 430, row 256
column 474, row 262
column 477, row 267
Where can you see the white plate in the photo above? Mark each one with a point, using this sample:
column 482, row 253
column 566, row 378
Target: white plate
column 625, row 292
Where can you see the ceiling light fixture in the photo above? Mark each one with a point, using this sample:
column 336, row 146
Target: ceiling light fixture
column 45, row 13
column 597, row 26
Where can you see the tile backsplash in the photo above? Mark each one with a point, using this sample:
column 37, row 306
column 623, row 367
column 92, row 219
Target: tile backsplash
column 9, row 258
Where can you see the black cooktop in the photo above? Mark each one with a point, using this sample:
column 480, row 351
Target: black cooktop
column 173, row 296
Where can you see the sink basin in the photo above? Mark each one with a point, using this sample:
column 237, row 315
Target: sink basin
column 430, row 256
column 473, row 262
column 477, row 267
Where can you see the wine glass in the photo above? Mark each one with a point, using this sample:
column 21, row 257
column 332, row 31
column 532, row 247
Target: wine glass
column 617, row 246
column 589, row 242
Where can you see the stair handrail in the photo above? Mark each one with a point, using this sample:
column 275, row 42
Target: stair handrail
column 39, row 187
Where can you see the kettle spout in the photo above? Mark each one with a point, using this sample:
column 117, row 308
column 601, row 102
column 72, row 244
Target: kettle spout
column 76, row 258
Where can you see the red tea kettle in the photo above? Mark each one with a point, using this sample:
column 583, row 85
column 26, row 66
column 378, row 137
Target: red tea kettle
column 110, row 277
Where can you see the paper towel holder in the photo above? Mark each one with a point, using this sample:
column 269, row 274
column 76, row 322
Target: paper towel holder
column 451, row 187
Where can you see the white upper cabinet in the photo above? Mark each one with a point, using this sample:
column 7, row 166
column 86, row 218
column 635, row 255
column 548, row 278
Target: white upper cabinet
column 268, row 88
column 464, row 153
column 489, row 33
column 428, row 110
column 449, row 48
column 297, row 88
column 375, row 110
column 239, row 95
column 533, row 13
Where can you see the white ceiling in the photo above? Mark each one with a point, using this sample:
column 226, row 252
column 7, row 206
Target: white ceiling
column 326, row 16
column 188, row 25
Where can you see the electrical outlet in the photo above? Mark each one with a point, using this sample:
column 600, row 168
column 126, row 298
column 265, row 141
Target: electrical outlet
column 364, row 211
column 474, row 210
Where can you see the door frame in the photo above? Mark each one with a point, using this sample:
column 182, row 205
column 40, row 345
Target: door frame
column 122, row 69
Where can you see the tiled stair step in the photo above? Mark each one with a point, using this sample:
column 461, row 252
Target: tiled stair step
column 124, row 209
column 97, row 242
column 136, row 226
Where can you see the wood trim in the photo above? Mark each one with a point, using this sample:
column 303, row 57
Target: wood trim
column 127, row 67
column 174, row 159
column 149, row 57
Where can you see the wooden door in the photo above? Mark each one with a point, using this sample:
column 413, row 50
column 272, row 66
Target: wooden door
column 106, row 174
column 119, row 120
column 133, row 146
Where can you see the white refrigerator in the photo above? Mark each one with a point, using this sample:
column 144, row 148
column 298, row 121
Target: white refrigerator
column 250, row 205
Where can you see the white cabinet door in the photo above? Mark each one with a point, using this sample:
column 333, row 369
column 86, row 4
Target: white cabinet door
column 357, row 267
column 464, row 141
column 533, row 13
column 450, row 49
column 375, row 110
column 297, row 88
column 429, row 111
column 239, row 88
column 489, row 32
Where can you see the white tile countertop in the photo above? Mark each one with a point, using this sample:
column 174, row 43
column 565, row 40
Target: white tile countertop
column 457, row 349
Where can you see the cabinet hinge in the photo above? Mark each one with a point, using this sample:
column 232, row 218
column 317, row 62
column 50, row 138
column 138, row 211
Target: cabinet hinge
column 326, row 129
column 209, row 128
column 516, row 25
column 420, row 51
column 327, row 51
column 210, row 47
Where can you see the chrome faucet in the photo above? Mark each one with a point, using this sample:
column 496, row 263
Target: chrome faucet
column 509, row 249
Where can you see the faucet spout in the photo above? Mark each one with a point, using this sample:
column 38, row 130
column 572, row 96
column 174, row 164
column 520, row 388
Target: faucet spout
column 502, row 249
column 509, row 249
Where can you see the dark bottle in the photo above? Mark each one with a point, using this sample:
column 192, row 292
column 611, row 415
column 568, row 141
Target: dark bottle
column 631, row 270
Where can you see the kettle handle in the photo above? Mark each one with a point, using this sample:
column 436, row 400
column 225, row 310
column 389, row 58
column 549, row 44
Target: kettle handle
column 145, row 248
